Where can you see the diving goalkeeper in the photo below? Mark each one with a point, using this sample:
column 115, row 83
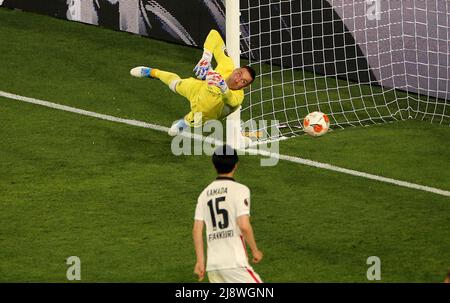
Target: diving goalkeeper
column 215, row 93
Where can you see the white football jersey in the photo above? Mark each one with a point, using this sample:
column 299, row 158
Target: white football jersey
column 219, row 206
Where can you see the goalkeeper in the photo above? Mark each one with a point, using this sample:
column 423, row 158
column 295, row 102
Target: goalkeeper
column 215, row 93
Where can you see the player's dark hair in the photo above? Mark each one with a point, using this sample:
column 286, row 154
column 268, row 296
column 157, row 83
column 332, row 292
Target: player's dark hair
column 224, row 159
column 251, row 71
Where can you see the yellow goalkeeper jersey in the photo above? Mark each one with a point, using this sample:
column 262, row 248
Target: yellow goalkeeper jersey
column 209, row 100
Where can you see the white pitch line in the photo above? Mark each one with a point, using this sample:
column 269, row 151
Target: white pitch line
column 359, row 174
column 84, row 112
column 253, row 151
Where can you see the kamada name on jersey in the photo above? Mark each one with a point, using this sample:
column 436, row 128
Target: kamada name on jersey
column 217, row 191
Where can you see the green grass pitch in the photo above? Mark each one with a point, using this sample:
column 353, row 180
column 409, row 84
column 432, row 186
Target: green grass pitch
column 115, row 196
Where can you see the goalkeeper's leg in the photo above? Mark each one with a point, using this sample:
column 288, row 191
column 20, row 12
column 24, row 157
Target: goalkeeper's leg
column 170, row 79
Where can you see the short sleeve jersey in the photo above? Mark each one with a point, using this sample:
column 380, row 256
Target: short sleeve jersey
column 219, row 206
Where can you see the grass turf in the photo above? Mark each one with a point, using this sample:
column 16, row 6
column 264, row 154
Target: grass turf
column 115, row 196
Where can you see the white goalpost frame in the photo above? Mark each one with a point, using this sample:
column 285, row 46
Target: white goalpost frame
column 234, row 137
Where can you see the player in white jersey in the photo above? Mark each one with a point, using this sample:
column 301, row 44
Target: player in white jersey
column 224, row 207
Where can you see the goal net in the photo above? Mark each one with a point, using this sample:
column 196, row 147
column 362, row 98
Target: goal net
column 359, row 61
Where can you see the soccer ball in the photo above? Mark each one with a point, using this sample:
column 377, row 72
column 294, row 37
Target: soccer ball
column 316, row 124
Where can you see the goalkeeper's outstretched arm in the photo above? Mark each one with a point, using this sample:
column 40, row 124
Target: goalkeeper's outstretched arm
column 214, row 46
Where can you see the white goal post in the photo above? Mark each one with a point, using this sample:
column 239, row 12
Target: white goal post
column 233, row 40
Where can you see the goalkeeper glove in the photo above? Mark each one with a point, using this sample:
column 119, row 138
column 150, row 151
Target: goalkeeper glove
column 204, row 65
column 215, row 79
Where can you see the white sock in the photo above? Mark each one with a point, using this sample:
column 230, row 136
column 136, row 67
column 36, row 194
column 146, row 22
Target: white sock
column 178, row 127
